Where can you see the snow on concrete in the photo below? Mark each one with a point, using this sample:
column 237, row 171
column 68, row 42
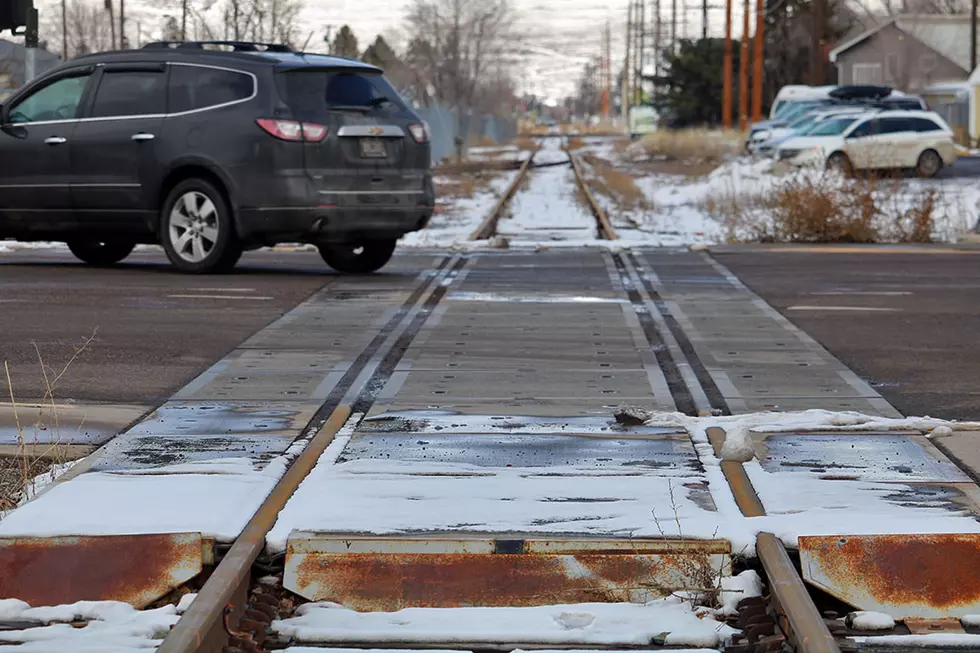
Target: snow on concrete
column 670, row 621
column 215, row 498
column 111, row 627
column 805, row 504
column 862, row 620
column 937, row 640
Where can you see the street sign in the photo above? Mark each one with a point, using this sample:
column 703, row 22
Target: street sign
column 14, row 14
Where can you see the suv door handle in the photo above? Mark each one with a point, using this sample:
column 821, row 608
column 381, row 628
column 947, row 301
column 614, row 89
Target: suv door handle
column 55, row 140
column 142, row 136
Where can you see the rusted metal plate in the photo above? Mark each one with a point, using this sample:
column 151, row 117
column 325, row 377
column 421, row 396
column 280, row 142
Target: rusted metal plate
column 393, row 573
column 918, row 626
column 912, row 575
column 134, row 569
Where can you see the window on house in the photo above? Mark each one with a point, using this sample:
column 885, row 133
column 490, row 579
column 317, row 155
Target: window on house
column 891, row 66
column 866, row 73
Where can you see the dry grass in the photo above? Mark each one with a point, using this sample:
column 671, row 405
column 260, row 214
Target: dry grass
column 39, row 445
column 693, row 146
column 824, row 208
column 574, row 143
column 486, row 141
column 617, row 184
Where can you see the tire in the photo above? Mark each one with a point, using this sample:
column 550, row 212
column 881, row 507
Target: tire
column 197, row 230
column 361, row 257
column 929, row 164
column 101, row 253
column 839, row 161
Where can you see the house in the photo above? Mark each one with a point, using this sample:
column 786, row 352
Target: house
column 908, row 52
column 12, row 63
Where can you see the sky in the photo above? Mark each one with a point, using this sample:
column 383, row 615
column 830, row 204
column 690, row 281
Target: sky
column 560, row 36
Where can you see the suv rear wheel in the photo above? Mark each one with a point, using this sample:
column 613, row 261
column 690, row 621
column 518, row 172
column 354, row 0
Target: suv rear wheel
column 358, row 257
column 929, row 164
column 197, row 229
column 95, row 252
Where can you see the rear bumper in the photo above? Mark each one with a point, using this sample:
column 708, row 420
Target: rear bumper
column 317, row 224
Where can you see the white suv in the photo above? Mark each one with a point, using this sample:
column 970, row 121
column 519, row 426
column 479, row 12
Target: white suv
column 919, row 140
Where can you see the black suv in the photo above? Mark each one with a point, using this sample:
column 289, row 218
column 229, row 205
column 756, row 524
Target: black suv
column 212, row 148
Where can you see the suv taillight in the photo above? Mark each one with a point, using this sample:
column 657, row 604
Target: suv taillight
column 420, row 132
column 292, row 130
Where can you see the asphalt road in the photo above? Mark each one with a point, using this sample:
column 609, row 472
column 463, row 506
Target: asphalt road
column 155, row 329
column 907, row 320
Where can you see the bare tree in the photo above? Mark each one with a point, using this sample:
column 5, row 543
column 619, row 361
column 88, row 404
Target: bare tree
column 454, row 42
column 86, row 27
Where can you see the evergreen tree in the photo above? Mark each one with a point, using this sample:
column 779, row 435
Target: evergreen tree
column 345, row 43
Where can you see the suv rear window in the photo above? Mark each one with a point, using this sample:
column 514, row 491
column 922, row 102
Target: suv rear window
column 200, row 87
column 310, row 93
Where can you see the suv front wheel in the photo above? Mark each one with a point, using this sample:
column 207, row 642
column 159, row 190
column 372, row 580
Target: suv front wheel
column 95, row 252
column 358, row 257
column 197, row 230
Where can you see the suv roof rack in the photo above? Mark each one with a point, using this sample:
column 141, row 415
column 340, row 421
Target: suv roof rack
column 237, row 46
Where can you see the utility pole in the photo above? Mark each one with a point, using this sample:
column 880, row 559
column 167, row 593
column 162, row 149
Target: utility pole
column 183, row 20
column 64, row 30
column 658, row 36
column 626, row 66
column 973, row 36
column 726, row 76
column 30, row 44
column 817, row 67
column 673, row 26
column 608, row 59
column 704, row 19
column 760, row 28
column 642, row 57
column 122, row 25
column 743, row 72
column 112, row 22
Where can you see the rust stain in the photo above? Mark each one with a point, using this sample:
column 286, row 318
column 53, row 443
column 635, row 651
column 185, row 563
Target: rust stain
column 379, row 581
column 940, row 571
column 134, row 569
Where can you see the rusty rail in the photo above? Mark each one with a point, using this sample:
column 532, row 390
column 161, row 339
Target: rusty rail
column 488, row 227
column 228, row 584
column 796, row 614
column 603, row 225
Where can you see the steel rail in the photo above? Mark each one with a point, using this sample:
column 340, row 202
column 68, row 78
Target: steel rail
column 488, row 227
column 604, row 227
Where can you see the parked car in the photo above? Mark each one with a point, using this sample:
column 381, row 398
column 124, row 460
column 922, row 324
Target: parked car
column 918, row 140
column 210, row 153
column 834, row 97
column 803, row 126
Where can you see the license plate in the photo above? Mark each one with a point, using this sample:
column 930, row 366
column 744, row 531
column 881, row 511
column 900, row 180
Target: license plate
column 373, row 148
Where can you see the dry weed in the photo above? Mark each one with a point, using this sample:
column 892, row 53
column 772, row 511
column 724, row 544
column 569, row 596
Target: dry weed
column 38, row 452
column 574, row 143
column 807, row 209
column 617, row 184
column 695, row 146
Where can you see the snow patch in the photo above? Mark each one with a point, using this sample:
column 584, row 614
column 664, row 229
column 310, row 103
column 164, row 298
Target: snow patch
column 970, row 620
column 746, row 585
column 185, row 603
column 669, row 621
column 938, row 640
column 738, row 444
column 862, row 620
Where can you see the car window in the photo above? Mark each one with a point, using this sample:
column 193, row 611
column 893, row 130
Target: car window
column 197, row 87
column 831, row 127
column 56, row 101
column 130, row 93
column 894, row 126
column 925, row 125
column 311, row 93
column 865, row 129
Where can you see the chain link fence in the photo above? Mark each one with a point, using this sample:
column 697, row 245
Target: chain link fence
column 448, row 125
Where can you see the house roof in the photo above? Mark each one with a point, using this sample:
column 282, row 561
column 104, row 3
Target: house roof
column 949, row 35
column 12, row 60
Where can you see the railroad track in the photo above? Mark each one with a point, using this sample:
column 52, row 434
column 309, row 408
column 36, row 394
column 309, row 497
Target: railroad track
column 244, row 589
column 603, row 227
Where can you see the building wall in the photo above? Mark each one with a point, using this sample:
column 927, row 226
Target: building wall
column 900, row 60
